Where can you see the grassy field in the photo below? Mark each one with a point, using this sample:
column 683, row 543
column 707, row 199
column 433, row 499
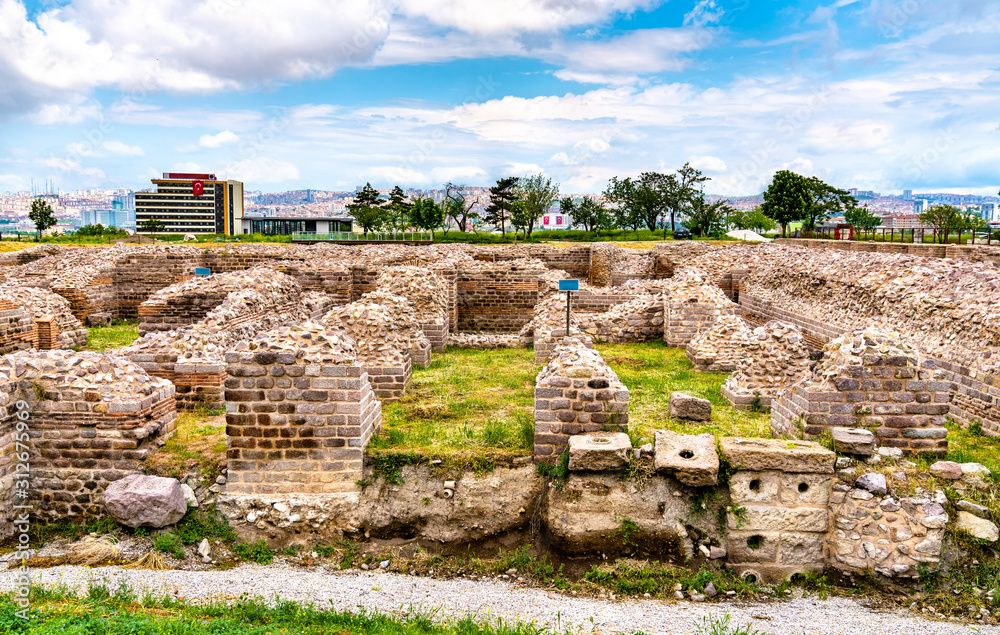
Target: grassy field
column 114, row 611
column 105, row 338
column 481, row 401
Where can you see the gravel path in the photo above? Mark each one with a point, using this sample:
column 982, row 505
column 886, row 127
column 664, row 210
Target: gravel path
column 394, row 593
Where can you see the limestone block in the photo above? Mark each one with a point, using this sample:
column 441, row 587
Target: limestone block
column 684, row 406
column 805, row 489
column 692, row 459
column 599, row 451
column 763, row 518
column 853, row 441
column 801, row 549
column 977, row 527
column 776, row 454
column 750, row 546
column 759, row 488
column 138, row 500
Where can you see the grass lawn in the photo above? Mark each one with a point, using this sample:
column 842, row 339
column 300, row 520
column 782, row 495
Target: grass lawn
column 106, row 338
column 480, row 402
column 121, row 610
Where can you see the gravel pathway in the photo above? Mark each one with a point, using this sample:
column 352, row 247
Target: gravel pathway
column 394, row 593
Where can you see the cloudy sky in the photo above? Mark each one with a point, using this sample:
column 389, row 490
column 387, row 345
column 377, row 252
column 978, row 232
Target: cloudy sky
column 328, row 94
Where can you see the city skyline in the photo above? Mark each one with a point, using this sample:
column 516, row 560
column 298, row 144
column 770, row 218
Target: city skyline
column 876, row 95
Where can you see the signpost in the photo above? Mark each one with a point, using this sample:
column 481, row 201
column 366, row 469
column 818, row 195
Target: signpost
column 202, row 271
column 569, row 286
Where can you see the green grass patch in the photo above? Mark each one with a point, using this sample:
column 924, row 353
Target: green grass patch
column 652, row 370
column 117, row 335
column 118, row 611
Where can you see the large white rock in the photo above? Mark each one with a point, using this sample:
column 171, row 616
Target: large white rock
column 139, row 500
column 977, row 527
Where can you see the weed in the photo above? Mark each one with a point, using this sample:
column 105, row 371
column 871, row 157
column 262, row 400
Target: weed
column 976, row 428
column 627, row 530
column 324, row 551
column 291, row 551
column 204, row 523
column 350, row 552
column 722, row 626
column 755, row 404
column 389, row 465
column 169, row 544
column 558, row 472
column 254, row 551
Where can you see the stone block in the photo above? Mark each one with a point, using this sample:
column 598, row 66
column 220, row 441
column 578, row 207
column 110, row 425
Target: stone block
column 692, row 459
column 761, row 455
column 599, row 451
column 749, row 546
column 760, row 488
column 801, row 549
column 805, row 489
column 765, row 518
column 684, row 406
column 855, row 441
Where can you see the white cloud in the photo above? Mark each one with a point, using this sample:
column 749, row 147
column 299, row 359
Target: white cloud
column 103, row 149
column 262, row 170
column 709, row 164
column 11, row 182
column 486, row 17
column 122, row 149
column 74, row 166
column 226, row 137
column 470, row 173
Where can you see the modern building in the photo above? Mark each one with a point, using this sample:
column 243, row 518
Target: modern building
column 907, row 195
column 275, row 226
column 988, row 211
column 117, row 217
column 903, row 221
column 192, row 204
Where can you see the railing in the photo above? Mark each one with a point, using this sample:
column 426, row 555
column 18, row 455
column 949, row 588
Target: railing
column 370, row 236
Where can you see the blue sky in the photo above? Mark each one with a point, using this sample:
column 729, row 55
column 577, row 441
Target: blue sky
column 876, row 94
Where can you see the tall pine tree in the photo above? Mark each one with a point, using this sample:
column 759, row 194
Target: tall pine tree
column 502, row 196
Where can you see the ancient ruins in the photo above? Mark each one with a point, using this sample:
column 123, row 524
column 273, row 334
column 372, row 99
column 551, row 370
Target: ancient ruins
column 876, row 346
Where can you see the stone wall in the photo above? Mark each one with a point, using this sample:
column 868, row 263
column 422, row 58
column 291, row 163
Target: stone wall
column 886, row 534
column 720, row 348
column 691, row 305
column 500, row 300
column 93, row 419
column 576, row 392
column 299, row 413
column 774, row 360
column 778, row 520
column 871, row 379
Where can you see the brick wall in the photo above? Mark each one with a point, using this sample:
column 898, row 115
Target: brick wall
column 296, row 427
column 683, row 321
column 497, row 301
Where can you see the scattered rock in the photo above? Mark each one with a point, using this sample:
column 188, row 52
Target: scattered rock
column 973, row 508
column 189, row 498
column 857, row 441
column 873, row 482
column 684, row 406
column 977, row 527
column 138, row 500
column 710, row 590
column 947, row 470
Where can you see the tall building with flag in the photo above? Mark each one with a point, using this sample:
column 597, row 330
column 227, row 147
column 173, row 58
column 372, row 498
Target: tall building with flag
column 192, row 204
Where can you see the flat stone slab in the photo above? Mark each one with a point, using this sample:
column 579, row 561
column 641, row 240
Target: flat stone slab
column 977, row 527
column 692, row 459
column 684, row 406
column 791, row 456
column 599, row 451
column 855, row 441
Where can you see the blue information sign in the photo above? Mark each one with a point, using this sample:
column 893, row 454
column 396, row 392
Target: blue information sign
column 569, row 285
column 202, row 271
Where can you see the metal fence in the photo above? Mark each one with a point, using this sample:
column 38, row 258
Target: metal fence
column 370, row 236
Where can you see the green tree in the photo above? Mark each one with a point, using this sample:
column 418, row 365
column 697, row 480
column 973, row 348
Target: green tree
column 520, row 217
column 502, row 196
column 426, row 215
column 681, row 192
column 368, row 209
column 460, row 206
column 787, row 199
column 943, row 218
column 538, row 193
column 641, row 201
column 397, row 212
column 705, row 219
column 825, row 201
column 753, row 220
column 152, row 226
column 41, row 215
column 593, row 216
column 862, row 218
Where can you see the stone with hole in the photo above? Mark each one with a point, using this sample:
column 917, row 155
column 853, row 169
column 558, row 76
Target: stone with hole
column 856, row 441
column 684, row 406
column 599, row 451
column 692, row 459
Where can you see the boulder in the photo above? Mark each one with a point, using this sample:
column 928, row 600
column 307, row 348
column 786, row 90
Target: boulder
column 975, row 475
column 139, row 500
column 947, row 470
column 599, row 451
column 857, row 441
column 873, row 482
column 692, row 459
column 977, row 527
column 189, row 498
column 684, row 406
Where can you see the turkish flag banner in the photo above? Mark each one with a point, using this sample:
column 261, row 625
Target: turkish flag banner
column 198, row 188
